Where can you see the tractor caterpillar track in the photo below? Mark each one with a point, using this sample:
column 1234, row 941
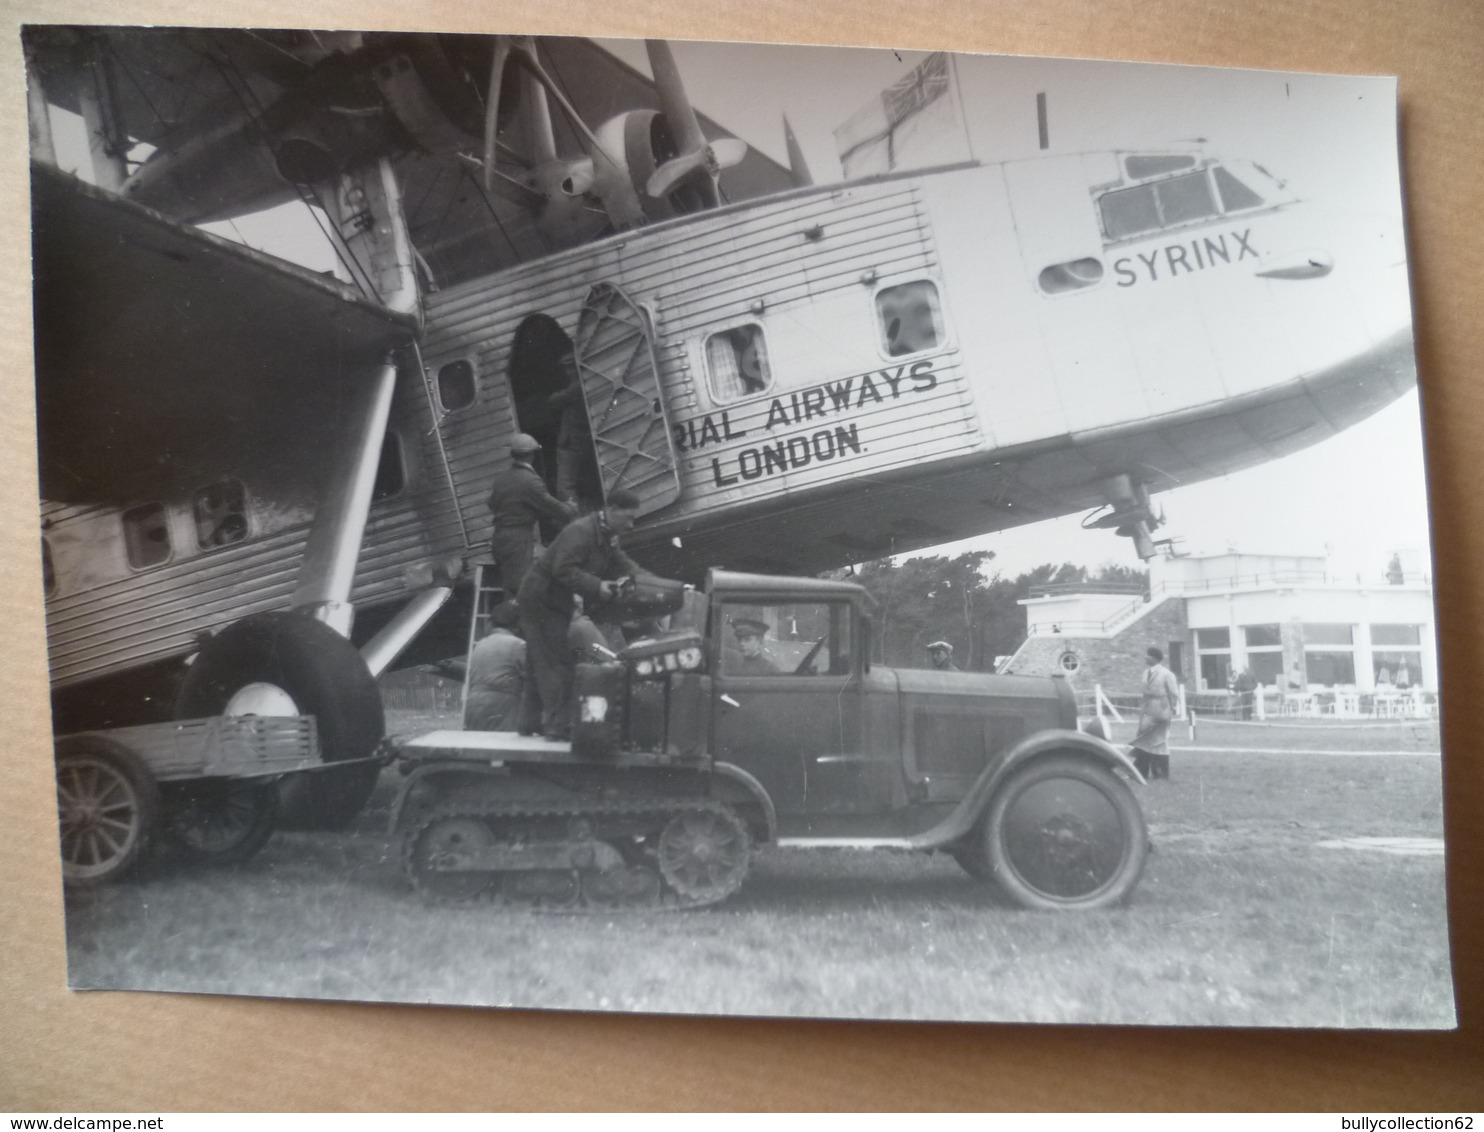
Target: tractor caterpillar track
column 638, row 854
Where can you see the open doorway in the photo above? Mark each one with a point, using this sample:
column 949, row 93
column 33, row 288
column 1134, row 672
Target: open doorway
column 550, row 406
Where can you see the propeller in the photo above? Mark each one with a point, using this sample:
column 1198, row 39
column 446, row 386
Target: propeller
column 698, row 162
column 552, row 177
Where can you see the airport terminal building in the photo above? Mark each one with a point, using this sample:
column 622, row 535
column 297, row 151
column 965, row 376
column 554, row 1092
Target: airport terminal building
column 1289, row 620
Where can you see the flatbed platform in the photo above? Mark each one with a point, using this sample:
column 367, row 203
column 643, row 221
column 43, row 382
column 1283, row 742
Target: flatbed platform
column 511, row 746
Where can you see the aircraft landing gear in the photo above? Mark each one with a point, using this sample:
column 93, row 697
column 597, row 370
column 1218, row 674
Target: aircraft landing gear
column 289, row 663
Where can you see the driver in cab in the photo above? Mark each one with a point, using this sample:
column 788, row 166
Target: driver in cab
column 750, row 657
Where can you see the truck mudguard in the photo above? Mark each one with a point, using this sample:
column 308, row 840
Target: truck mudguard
column 739, row 786
column 966, row 814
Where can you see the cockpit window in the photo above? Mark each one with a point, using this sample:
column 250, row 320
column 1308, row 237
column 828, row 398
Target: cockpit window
column 1183, row 199
column 1163, row 204
column 1141, row 165
column 1128, row 212
column 1234, row 195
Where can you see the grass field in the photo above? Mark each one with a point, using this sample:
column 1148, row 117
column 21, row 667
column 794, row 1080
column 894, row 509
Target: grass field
column 1242, row 918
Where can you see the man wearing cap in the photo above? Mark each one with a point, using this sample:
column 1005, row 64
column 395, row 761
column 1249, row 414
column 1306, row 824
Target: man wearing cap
column 750, row 659
column 583, row 561
column 519, row 504
column 940, row 654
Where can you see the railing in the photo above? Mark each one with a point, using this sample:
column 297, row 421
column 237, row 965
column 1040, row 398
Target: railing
column 1117, row 619
column 1053, row 589
column 1156, row 594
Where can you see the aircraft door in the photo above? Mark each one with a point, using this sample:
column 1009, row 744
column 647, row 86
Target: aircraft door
column 625, row 403
column 549, row 405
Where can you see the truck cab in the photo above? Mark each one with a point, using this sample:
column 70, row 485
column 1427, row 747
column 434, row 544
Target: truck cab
column 846, row 748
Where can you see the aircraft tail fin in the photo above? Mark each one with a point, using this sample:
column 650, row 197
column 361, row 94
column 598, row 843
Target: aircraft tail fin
column 797, row 166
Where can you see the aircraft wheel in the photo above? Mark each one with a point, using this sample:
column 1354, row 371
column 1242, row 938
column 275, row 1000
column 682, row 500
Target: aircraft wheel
column 287, row 663
column 1064, row 834
column 108, row 806
column 222, row 821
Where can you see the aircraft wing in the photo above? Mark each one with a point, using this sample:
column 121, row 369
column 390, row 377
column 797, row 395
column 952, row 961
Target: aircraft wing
column 169, row 85
column 464, row 232
column 167, row 355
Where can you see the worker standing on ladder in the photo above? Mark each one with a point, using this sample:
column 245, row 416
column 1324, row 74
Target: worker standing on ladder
column 520, row 505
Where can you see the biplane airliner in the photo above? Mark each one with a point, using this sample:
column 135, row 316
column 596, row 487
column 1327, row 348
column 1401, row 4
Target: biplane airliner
column 792, row 376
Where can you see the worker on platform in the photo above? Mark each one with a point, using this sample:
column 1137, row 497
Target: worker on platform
column 497, row 675
column 585, row 561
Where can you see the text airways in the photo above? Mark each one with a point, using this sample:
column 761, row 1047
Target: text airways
column 772, row 454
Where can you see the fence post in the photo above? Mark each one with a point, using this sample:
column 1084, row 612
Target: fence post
column 1183, row 712
column 1104, row 702
column 1262, row 702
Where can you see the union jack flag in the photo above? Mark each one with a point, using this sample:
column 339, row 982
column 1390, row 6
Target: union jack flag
column 926, row 82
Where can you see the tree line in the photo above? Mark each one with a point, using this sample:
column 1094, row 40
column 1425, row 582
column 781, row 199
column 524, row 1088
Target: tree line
column 955, row 599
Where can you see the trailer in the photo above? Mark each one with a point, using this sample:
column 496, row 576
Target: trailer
column 209, row 786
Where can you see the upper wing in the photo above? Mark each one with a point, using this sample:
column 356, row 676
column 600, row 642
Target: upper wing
column 233, row 114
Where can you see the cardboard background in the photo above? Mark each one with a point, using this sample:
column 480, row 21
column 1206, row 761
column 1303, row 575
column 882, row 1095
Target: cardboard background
column 62, row 1051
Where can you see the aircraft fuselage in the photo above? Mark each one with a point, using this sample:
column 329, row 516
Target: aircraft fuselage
column 839, row 372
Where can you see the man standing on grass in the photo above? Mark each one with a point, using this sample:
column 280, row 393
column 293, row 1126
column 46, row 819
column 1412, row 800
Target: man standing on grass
column 1161, row 698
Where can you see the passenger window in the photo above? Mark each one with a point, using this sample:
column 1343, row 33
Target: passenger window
column 1234, row 194
column 805, row 639
column 1141, row 165
column 391, row 472
column 909, row 317
column 146, row 535
column 737, row 362
column 220, row 512
column 456, row 385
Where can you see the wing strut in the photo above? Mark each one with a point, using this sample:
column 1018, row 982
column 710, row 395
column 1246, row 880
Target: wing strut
column 334, row 544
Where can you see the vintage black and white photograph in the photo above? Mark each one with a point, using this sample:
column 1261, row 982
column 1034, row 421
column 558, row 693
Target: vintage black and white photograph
column 708, row 528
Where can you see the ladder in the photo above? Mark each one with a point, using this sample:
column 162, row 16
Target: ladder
column 486, row 597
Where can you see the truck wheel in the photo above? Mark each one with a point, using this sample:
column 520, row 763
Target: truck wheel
column 704, row 853
column 221, row 821
column 1065, row 834
column 290, row 664
column 108, row 805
